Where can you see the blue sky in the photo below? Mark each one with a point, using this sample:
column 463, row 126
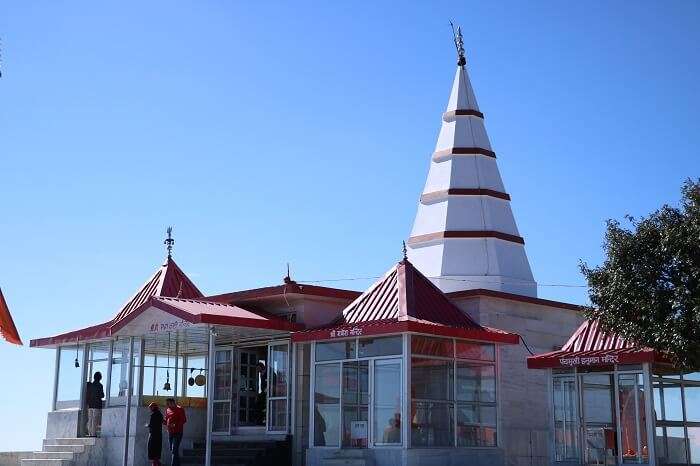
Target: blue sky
column 268, row 132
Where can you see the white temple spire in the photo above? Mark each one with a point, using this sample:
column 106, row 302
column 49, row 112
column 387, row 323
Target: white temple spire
column 464, row 235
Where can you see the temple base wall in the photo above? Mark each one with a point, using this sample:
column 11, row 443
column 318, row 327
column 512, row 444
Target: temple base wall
column 405, row 457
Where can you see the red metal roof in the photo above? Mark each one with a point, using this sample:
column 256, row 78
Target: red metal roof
column 7, row 326
column 207, row 312
column 291, row 287
column 169, row 280
column 590, row 345
column 405, row 300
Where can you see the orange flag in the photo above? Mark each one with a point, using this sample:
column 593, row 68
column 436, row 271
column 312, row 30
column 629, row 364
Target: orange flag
column 7, row 325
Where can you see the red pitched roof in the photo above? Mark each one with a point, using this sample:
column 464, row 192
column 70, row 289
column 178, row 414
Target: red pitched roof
column 405, row 300
column 590, row 345
column 207, row 312
column 169, row 281
column 7, row 326
column 291, row 287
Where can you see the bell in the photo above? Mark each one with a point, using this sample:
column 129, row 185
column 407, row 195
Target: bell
column 77, row 364
column 190, row 381
column 166, row 386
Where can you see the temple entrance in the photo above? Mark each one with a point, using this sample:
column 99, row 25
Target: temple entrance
column 251, row 389
column 599, row 429
column 252, row 386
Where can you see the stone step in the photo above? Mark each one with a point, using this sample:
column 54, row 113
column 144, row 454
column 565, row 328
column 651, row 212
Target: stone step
column 55, row 455
column 45, row 462
column 72, row 448
column 71, row 441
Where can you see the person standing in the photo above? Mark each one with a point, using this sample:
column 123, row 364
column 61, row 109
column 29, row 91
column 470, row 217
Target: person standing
column 175, row 420
column 155, row 434
column 94, row 394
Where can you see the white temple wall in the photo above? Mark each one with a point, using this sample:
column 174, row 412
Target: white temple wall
column 524, row 397
column 464, row 171
column 463, row 131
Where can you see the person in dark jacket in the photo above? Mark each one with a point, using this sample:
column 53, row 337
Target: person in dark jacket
column 94, row 393
column 155, row 434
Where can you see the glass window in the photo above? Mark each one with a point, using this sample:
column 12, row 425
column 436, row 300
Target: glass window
column 432, row 424
column 327, row 405
column 673, row 408
column 355, row 404
column 468, row 350
column 675, row 440
column 694, row 444
column 69, row 382
column 476, row 425
column 385, row 346
column 692, row 402
column 279, row 370
column 476, row 382
column 335, row 350
column 566, row 435
column 632, row 418
column 120, row 373
column 660, row 445
column 432, row 379
column 597, row 399
column 692, row 376
column 387, row 402
column 430, row 346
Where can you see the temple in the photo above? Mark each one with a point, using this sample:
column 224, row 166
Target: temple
column 428, row 366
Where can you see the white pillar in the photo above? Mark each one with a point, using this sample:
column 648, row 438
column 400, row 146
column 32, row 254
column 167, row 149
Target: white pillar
column 108, row 380
column 650, row 418
column 127, row 414
column 57, row 367
column 210, row 394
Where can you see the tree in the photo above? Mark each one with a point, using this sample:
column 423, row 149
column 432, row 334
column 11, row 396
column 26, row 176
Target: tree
column 648, row 288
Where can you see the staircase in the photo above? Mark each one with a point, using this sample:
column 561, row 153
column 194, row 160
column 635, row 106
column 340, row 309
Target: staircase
column 60, row 452
column 241, row 453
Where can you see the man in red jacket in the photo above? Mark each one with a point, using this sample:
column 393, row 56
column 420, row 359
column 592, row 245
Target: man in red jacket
column 175, row 420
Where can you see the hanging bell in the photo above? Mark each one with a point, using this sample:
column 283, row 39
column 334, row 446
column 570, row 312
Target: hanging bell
column 200, row 380
column 190, row 381
column 166, row 385
column 77, row 364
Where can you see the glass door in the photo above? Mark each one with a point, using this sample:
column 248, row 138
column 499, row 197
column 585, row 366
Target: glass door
column 222, row 395
column 250, row 394
column 599, row 431
column 278, row 387
column 387, row 389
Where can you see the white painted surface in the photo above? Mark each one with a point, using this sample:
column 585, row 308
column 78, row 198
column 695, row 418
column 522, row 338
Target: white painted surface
column 467, row 263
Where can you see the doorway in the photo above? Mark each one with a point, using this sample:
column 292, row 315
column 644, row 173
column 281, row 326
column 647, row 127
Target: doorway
column 252, row 386
column 599, row 427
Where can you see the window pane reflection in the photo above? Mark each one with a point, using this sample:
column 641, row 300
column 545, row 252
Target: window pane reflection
column 431, row 379
column 431, row 424
column 387, row 402
column 327, row 405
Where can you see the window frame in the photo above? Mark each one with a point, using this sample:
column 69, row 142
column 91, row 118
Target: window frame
column 401, row 358
column 455, row 403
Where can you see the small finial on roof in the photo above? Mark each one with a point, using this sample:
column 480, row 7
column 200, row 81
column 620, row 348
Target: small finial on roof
column 288, row 278
column 459, row 44
column 169, row 241
column 405, row 251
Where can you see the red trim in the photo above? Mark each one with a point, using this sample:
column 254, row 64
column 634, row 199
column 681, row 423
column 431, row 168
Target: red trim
column 465, row 234
column 90, row 333
column 463, row 151
column 436, row 195
column 386, row 327
column 470, row 112
column 563, row 359
column 513, row 297
column 280, row 290
column 8, row 330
